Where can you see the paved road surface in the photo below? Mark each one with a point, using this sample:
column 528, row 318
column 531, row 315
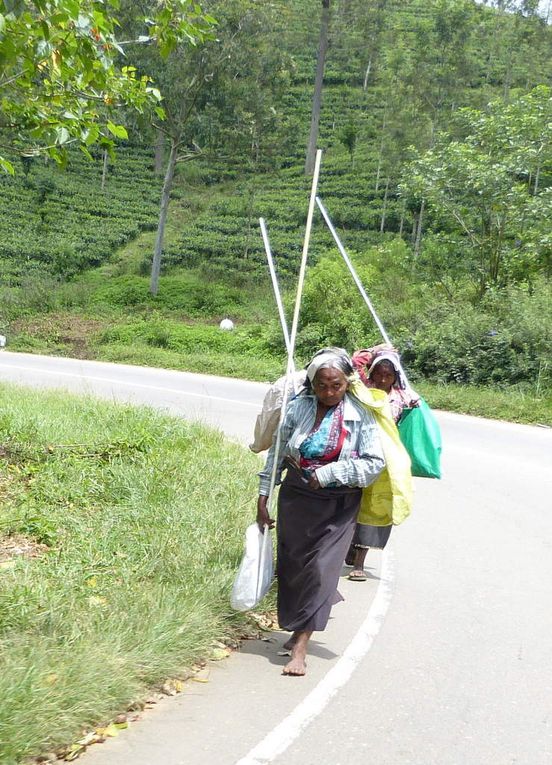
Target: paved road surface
column 444, row 657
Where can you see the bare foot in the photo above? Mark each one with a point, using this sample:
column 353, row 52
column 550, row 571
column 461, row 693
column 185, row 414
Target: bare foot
column 297, row 667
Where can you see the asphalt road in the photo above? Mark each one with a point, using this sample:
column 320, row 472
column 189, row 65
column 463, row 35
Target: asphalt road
column 443, row 657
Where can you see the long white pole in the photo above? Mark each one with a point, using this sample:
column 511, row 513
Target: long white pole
column 306, row 243
column 295, row 321
column 275, row 286
column 352, row 270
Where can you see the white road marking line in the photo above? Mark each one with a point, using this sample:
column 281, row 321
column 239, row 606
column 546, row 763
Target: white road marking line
column 284, row 734
column 180, row 392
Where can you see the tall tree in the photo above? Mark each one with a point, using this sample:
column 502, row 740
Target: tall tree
column 218, row 93
column 318, row 82
column 477, row 187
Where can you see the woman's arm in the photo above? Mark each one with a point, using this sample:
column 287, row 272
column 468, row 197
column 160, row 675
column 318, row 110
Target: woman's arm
column 265, row 476
column 286, row 430
column 263, row 518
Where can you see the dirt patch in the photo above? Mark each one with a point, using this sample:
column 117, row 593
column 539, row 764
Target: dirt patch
column 18, row 545
column 75, row 334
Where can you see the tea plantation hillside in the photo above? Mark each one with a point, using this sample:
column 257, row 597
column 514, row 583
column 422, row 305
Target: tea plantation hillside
column 62, row 222
column 75, row 257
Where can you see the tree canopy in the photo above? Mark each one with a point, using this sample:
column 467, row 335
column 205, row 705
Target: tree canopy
column 64, row 72
column 484, row 188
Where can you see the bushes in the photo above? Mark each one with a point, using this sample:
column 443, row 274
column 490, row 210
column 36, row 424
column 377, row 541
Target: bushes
column 186, row 293
column 158, row 332
column 506, row 340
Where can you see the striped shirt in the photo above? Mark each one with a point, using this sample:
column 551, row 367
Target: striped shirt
column 361, row 457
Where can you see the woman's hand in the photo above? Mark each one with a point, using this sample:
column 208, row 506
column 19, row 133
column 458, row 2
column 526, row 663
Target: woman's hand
column 263, row 518
column 291, row 462
column 313, row 481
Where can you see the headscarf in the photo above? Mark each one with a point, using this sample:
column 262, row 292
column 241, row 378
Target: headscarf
column 332, row 359
column 393, row 359
column 365, row 360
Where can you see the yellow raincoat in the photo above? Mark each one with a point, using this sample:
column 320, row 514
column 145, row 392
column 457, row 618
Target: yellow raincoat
column 389, row 499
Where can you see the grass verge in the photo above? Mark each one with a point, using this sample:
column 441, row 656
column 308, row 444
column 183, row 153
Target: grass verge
column 512, row 405
column 138, row 538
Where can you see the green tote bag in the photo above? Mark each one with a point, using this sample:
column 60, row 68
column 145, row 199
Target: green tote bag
column 421, row 437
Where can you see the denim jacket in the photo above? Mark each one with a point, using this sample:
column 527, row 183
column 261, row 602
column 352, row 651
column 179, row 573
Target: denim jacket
column 360, row 461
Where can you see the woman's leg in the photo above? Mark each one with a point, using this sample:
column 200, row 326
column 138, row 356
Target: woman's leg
column 358, row 574
column 290, row 642
column 298, row 665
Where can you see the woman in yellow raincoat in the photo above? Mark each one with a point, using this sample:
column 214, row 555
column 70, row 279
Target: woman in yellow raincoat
column 385, row 392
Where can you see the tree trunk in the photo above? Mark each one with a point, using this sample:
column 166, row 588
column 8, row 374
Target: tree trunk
column 418, row 242
column 367, row 74
column 414, row 228
column 384, row 210
column 401, row 225
column 382, row 144
column 537, row 178
column 164, row 208
column 319, row 78
column 250, row 207
column 496, row 254
column 159, row 152
column 104, row 169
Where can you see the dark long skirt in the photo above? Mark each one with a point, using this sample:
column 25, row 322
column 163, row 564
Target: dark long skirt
column 315, row 529
column 371, row 536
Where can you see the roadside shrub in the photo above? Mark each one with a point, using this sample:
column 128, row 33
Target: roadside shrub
column 505, row 340
column 123, row 291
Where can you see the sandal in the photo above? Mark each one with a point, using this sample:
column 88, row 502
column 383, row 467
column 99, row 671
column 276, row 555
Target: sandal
column 357, row 575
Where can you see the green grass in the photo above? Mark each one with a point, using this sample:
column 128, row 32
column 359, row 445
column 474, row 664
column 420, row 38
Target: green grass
column 142, row 538
column 245, row 354
column 221, row 364
column 513, row 405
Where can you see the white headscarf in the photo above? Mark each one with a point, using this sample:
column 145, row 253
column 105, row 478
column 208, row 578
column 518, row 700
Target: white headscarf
column 394, row 359
column 328, row 359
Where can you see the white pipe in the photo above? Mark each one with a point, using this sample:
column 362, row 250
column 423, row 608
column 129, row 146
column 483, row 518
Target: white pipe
column 356, row 279
column 352, row 270
column 295, row 322
column 275, row 286
column 306, row 243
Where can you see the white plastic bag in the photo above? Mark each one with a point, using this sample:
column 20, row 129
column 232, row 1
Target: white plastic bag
column 255, row 573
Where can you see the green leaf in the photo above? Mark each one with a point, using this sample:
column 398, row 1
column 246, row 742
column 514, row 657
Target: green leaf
column 86, row 152
column 62, row 135
column 119, row 131
column 91, row 135
column 7, row 166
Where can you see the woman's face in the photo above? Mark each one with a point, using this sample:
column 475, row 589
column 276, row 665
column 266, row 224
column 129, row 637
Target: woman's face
column 383, row 376
column 329, row 386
